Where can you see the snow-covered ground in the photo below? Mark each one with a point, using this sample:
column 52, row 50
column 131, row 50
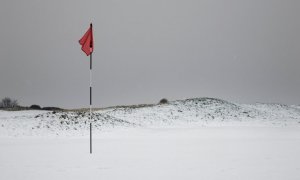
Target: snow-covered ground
column 211, row 153
column 200, row 138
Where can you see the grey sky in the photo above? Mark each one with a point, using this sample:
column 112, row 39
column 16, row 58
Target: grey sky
column 238, row 50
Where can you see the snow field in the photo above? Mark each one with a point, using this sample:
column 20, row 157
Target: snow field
column 224, row 153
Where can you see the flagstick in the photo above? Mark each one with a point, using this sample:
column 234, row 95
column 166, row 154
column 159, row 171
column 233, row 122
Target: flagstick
column 91, row 103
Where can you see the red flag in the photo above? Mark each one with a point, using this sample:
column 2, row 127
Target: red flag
column 87, row 41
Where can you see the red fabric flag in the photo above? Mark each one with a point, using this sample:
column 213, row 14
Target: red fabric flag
column 87, row 42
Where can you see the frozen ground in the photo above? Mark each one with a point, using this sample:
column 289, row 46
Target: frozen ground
column 225, row 153
column 200, row 138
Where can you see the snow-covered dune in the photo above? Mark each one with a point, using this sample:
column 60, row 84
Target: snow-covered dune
column 180, row 113
column 209, row 112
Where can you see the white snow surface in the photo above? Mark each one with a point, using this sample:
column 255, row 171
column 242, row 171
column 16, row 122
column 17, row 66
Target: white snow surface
column 193, row 139
column 210, row 153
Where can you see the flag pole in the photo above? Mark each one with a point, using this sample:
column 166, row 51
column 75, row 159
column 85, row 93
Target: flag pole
column 87, row 44
column 91, row 55
column 91, row 103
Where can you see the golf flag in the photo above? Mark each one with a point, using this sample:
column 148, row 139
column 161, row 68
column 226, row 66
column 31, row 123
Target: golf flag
column 87, row 42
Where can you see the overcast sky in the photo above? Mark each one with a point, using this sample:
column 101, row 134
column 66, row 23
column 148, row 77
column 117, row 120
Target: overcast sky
column 238, row 50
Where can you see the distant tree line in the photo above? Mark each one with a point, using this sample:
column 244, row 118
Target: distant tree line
column 8, row 103
column 12, row 104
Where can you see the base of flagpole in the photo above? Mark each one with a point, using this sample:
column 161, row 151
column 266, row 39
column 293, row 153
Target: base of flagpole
column 90, row 138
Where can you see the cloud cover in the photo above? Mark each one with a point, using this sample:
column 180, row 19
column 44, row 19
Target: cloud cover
column 244, row 51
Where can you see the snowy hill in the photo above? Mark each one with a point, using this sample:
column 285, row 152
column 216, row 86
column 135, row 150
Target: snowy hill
column 180, row 113
column 209, row 111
